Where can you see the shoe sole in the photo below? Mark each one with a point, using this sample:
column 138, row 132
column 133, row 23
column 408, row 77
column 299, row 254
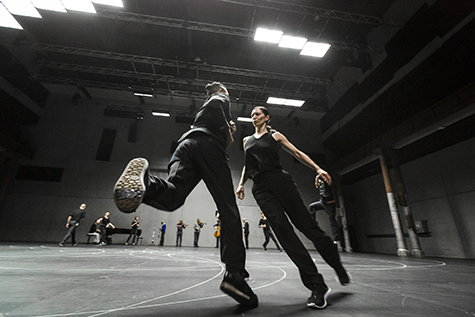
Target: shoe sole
column 240, row 297
column 130, row 189
column 325, row 296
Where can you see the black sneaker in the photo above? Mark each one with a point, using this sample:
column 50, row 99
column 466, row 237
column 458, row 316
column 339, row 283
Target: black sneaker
column 318, row 299
column 130, row 188
column 235, row 286
column 343, row 276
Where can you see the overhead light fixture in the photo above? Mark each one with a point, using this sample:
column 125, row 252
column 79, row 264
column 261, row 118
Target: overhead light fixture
column 21, row 7
column 315, row 49
column 7, row 20
column 269, row 36
column 244, row 119
column 276, row 101
column 115, row 3
column 294, row 103
column 285, row 102
column 79, row 5
column 292, row 42
column 160, row 114
column 51, row 5
column 141, row 94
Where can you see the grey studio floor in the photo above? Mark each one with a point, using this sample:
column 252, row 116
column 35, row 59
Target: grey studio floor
column 118, row 280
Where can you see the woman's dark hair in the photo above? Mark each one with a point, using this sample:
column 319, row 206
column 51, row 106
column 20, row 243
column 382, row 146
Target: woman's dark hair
column 266, row 113
column 214, row 87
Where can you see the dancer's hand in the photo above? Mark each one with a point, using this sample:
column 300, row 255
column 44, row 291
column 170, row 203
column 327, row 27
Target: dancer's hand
column 240, row 192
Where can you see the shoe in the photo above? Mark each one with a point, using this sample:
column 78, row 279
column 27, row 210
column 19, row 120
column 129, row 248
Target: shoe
column 75, row 244
column 235, row 286
column 318, row 299
column 343, row 276
column 126, row 243
column 61, row 245
column 130, row 188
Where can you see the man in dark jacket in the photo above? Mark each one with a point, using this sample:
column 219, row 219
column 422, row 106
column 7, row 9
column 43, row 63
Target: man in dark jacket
column 200, row 155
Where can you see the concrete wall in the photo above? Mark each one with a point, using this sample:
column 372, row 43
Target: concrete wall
column 440, row 189
column 68, row 136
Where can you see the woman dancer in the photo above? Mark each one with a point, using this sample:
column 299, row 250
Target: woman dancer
column 278, row 197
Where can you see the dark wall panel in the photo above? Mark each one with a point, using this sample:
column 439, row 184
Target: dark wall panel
column 106, row 145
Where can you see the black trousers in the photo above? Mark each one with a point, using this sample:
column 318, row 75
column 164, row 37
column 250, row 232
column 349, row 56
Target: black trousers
column 162, row 238
column 197, row 158
column 71, row 232
column 278, row 197
column 330, row 209
column 269, row 235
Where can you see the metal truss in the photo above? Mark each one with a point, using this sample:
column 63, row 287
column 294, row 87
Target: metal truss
column 180, row 64
column 214, row 28
column 163, row 92
column 178, row 81
column 313, row 11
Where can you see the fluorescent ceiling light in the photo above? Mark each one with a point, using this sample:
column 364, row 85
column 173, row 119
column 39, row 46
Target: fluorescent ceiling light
column 269, row 36
column 244, row 119
column 292, row 42
column 294, row 103
column 79, row 5
column 160, row 114
column 51, row 5
column 285, row 102
column 315, row 49
column 276, row 101
column 115, row 3
column 21, row 7
column 141, row 94
column 7, row 20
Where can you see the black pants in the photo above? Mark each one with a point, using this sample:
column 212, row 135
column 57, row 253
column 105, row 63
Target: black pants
column 330, row 209
column 103, row 234
column 197, row 238
column 246, row 240
column 162, row 238
column 269, row 235
column 278, row 197
column 71, row 232
column 133, row 233
column 197, row 158
column 179, row 237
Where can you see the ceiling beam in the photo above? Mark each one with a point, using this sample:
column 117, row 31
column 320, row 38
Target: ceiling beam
column 175, row 63
column 314, row 11
column 215, row 28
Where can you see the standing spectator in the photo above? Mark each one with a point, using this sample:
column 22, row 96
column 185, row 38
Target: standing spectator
column 246, row 232
column 72, row 223
column 217, row 232
column 179, row 232
column 163, row 229
column 268, row 234
column 134, row 227
column 198, row 225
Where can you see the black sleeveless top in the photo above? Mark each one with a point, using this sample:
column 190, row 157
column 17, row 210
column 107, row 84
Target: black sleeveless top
column 261, row 155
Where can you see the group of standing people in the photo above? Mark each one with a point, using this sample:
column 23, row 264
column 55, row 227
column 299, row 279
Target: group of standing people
column 201, row 155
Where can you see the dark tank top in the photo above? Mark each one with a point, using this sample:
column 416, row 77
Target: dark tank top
column 261, row 155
